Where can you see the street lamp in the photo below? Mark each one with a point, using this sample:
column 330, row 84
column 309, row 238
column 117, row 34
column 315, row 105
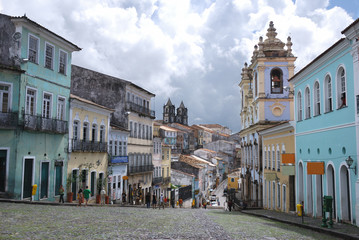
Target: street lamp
column 349, row 162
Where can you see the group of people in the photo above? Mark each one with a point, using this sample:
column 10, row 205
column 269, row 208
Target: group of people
column 162, row 200
column 82, row 195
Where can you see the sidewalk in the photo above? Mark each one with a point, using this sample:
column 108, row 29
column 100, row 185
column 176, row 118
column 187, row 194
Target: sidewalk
column 340, row 230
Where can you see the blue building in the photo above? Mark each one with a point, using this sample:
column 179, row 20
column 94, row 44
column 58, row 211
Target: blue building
column 326, row 132
column 35, row 80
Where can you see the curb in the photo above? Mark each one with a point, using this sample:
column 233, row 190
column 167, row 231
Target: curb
column 317, row 229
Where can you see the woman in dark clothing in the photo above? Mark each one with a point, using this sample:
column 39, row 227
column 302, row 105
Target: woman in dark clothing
column 154, row 201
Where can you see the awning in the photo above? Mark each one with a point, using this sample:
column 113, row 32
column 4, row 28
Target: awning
column 315, row 168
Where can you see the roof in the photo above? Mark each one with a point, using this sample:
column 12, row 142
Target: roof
column 166, row 128
column 181, row 125
column 347, row 28
column 182, row 172
column 212, row 125
column 169, row 103
column 195, row 161
column 24, row 18
column 207, row 150
column 91, row 103
column 142, row 89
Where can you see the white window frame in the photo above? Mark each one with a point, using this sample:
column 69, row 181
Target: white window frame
column 284, row 198
column 307, row 103
column 52, row 57
column 316, row 98
column 87, row 131
column 94, row 126
column 37, row 50
column 340, row 87
column 27, row 111
column 265, row 156
column 278, row 195
column 299, row 106
column 278, row 158
column 273, row 158
column 328, row 93
column 50, row 104
column 78, row 137
column 66, row 59
column 102, row 133
column 9, row 91
column 60, row 107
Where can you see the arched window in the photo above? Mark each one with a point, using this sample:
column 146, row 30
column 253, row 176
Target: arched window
column 299, row 107
column 265, row 157
column 76, row 130
column 85, row 133
column 273, row 157
column 316, row 99
column 328, row 94
column 307, row 102
column 341, row 88
column 94, row 132
column 255, row 84
column 276, row 76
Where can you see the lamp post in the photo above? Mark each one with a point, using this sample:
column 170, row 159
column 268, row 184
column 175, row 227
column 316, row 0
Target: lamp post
column 350, row 162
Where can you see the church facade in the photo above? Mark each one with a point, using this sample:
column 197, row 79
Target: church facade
column 171, row 116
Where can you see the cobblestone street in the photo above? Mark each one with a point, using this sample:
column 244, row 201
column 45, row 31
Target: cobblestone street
column 25, row 221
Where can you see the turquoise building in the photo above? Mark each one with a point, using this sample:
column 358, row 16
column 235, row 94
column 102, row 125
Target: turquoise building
column 35, row 80
column 326, row 134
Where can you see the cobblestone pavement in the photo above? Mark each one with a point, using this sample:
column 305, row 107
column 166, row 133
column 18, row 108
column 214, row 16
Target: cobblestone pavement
column 28, row 221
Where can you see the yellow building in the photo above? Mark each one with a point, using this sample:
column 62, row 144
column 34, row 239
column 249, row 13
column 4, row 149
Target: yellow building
column 279, row 171
column 233, row 180
column 88, row 133
column 140, row 142
column 166, row 170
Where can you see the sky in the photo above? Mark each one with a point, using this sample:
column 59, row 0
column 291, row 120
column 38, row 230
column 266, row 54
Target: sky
column 190, row 51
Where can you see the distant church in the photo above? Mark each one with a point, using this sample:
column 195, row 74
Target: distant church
column 169, row 115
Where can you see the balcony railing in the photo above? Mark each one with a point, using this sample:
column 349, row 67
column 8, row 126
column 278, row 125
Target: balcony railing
column 87, row 146
column 157, row 180
column 8, row 120
column 140, row 169
column 39, row 123
column 166, row 180
column 130, row 106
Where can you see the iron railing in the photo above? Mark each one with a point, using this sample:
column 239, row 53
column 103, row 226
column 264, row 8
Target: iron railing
column 166, row 180
column 8, row 119
column 130, row 106
column 140, row 169
column 39, row 123
column 87, row 146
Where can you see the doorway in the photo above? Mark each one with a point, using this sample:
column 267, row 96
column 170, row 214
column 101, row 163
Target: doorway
column 27, row 177
column 3, row 158
column 319, row 187
column 44, row 187
column 345, row 194
column 309, row 194
column 74, row 181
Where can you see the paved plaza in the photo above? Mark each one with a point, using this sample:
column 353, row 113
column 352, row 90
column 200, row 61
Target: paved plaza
column 30, row 221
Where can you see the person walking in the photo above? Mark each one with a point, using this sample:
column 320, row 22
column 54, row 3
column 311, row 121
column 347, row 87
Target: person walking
column 148, row 199
column 61, row 192
column 154, row 201
column 161, row 202
column 180, row 201
column 80, row 197
column 230, row 205
column 87, row 193
column 103, row 194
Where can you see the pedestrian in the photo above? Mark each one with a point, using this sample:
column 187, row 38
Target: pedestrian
column 172, row 203
column 148, row 199
column 103, row 194
column 180, row 201
column 61, row 192
column 154, row 201
column 80, row 197
column 230, row 205
column 123, row 197
column 205, row 204
column 165, row 201
column 218, row 201
column 87, row 193
column 161, row 202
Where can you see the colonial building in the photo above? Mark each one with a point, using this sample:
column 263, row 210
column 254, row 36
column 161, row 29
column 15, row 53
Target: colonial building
column 326, row 115
column 169, row 115
column 264, row 103
column 88, row 138
column 278, row 150
column 35, row 70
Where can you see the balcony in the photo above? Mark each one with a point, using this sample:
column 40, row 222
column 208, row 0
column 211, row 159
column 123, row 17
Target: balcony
column 140, row 169
column 133, row 107
column 157, row 180
column 166, row 180
column 8, row 119
column 39, row 123
column 87, row 146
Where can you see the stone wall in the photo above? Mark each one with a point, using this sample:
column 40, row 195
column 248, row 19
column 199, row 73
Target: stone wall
column 10, row 43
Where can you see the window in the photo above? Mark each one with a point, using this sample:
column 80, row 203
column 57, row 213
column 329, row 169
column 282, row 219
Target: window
column 299, row 107
column 307, row 103
column 30, row 107
column 128, row 97
column 4, row 98
column 46, row 105
column 115, row 148
column 255, row 84
column 33, row 49
column 269, row 158
column 76, row 130
column 265, row 157
column 284, row 193
column 150, row 133
column 274, row 197
column 131, row 130
column 278, row 158
column 94, row 132
column 143, row 132
column 276, row 81
column 135, row 131
column 102, row 133
column 273, row 158
column 139, row 131
column 85, row 134
column 278, row 197
column 232, row 179
column 316, row 98
column 120, row 148
column 63, row 62
column 49, row 56
column 147, row 132
column 124, row 148
column 328, row 94
column 110, row 148
column 342, row 96
column 61, row 108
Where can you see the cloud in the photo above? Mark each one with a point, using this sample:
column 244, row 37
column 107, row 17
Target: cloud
column 187, row 50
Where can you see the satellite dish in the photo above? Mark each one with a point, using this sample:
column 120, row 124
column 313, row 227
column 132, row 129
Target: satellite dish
column 16, row 36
